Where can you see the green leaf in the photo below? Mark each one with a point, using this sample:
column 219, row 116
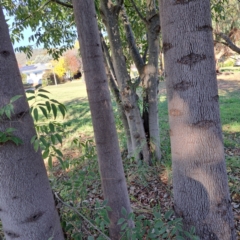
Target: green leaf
column 44, row 111
column 30, row 98
column 121, row 221
column 15, row 98
column 180, row 238
column 48, row 106
column 8, row 113
column 43, row 140
column 54, row 109
column 35, row 114
column 130, row 216
column 30, row 91
column 59, row 153
column 17, row 140
column 43, row 90
column 10, row 130
column 52, row 128
column 90, row 238
column 53, row 139
column 124, row 226
column 62, row 109
column 168, row 214
column 59, row 138
column 55, row 101
column 36, row 145
column 43, row 95
column 124, row 211
column 50, row 162
column 33, row 139
column 46, row 153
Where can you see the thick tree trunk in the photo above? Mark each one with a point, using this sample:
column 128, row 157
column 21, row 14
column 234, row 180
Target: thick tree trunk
column 27, row 208
column 109, row 156
column 200, row 186
column 127, row 91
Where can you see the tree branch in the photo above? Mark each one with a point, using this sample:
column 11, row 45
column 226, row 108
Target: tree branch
column 63, row 4
column 138, row 12
column 228, row 42
column 59, row 199
column 131, row 42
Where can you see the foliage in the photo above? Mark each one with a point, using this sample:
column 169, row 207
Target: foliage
column 72, row 61
column 49, row 133
column 56, row 31
column 59, row 67
column 228, row 63
column 158, row 228
column 6, row 113
column 24, row 77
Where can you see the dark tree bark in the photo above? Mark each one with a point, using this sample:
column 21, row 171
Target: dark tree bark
column 109, row 156
column 27, row 208
column 200, row 186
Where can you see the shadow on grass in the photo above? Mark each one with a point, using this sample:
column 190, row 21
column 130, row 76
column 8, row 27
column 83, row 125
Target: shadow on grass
column 78, row 116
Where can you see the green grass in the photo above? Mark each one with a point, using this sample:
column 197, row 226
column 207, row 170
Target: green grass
column 74, row 96
column 230, row 69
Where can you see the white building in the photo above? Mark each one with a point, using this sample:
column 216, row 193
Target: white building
column 35, row 72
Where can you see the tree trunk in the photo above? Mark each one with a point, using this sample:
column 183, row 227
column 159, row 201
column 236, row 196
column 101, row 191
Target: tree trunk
column 151, row 78
column 148, row 74
column 109, row 156
column 200, row 186
column 110, row 14
column 27, row 208
column 115, row 91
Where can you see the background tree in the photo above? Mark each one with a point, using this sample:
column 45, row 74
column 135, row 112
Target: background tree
column 72, row 61
column 26, row 200
column 201, row 195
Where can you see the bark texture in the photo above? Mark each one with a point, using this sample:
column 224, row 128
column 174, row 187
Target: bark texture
column 201, row 194
column 27, row 208
column 151, row 78
column 116, row 93
column 148, row 74
column 109, row 156
column 110, row 14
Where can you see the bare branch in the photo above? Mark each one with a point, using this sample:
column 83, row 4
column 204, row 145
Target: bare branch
column 228, row 42
column 59, row 199
column 131, row 42
column 63, row 4
column 138, row 12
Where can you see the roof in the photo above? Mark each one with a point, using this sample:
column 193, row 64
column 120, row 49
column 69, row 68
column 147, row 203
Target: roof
column 40, row 67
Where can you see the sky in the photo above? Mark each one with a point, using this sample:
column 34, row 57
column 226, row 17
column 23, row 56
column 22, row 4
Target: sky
column 27, row 33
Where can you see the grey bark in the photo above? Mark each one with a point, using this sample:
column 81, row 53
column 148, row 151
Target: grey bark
column 151, row 77
column 148, row 73
column 109, row 156
column 114, row 88
column 27, row 208
column 200, row 186
column 110, row 14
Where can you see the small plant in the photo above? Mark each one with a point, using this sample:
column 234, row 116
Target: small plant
column 6, row 113
column 49, row 133
column 160, row 227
